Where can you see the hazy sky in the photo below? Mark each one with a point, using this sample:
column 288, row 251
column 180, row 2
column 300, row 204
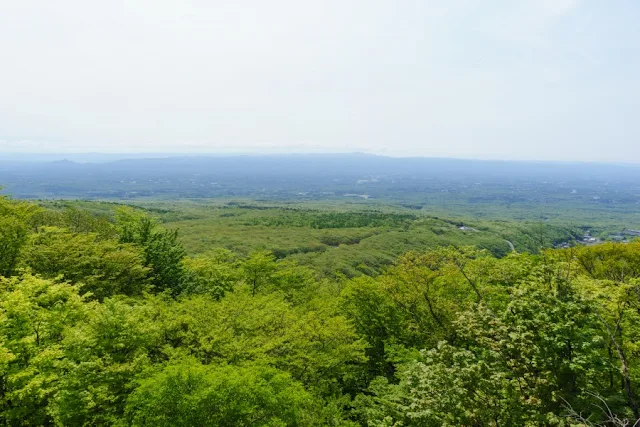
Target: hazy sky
column 510, row 79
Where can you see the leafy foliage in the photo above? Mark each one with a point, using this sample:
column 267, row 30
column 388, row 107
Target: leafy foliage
column 163, row 254
column 14, row 232
column 104, row 320
column 102, row 267
column 191, row 394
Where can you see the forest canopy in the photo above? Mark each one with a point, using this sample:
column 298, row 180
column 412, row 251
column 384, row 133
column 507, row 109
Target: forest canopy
column 106, row 320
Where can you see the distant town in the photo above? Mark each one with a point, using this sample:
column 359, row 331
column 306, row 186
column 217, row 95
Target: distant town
column 588, row 240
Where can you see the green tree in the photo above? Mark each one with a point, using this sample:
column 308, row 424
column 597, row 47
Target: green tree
column 214, row 273
column 521, row 367
column 14, row 232
column 378, row 320
column 258, row 270
column 315, row 345
column 34, row 313
column 297, row 283
column 431, row 288
column 190, row 394
column 102, row 267
column 163, row 253
column 118, row 341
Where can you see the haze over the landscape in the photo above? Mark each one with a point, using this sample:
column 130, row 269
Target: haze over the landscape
column 382, row 213
column 530, row 79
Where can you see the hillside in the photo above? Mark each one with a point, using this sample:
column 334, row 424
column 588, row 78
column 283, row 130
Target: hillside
column 109, row 316
column 332, row 238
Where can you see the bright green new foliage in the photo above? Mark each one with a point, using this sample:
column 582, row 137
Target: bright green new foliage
column 190, row 394
column 312, row 318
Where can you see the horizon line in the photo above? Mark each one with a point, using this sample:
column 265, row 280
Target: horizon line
column 169, row 154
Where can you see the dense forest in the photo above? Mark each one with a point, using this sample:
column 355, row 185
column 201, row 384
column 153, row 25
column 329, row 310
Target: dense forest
column 108, row 317
column 449, row 187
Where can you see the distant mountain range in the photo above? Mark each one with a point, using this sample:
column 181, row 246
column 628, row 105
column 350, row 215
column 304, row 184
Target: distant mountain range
column 286, row 176
column 79, row 157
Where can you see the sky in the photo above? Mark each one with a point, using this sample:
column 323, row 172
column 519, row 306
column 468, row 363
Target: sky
column 488, row 79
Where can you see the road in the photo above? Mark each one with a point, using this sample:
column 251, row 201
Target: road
column 513, row 248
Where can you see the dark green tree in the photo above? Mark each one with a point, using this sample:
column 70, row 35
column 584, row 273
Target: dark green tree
column 163, row 253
